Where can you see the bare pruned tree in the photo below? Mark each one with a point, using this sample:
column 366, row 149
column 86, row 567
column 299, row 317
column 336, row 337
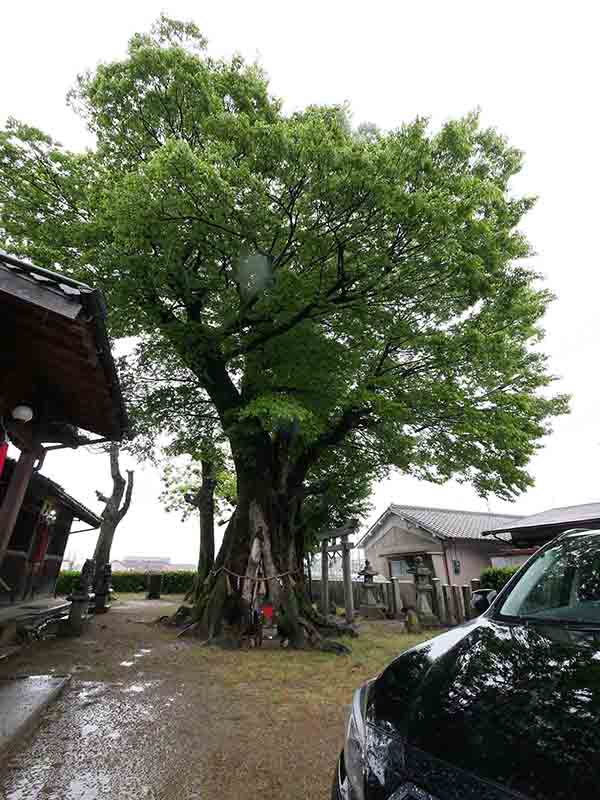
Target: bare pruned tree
column 114, row 510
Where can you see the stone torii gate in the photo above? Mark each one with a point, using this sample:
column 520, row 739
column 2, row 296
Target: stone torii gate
column 343, row 547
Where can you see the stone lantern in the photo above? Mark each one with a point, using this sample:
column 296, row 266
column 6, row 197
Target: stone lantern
column 370, row 605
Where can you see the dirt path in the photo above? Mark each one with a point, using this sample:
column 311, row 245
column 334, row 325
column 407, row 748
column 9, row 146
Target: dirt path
column 147, row 716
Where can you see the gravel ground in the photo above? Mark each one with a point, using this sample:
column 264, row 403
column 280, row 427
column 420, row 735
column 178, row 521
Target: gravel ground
column 149, row 716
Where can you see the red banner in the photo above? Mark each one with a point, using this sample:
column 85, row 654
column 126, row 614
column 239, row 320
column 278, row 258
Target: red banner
column 3, row 451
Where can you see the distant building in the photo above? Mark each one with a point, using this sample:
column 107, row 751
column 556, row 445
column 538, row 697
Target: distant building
column 149, row 564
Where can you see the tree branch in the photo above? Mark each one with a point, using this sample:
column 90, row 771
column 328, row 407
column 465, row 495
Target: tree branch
column 349, row 420
column 129, row 491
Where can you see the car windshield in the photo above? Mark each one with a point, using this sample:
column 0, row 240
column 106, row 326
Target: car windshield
column 561, row 585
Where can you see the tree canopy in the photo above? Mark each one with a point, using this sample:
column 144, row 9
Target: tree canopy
column 353, row 300
column 182, row 483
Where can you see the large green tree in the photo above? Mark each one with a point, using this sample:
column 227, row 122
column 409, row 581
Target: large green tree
column 329, row 299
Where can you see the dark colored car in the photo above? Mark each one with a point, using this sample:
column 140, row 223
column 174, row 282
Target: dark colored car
column 504, row 707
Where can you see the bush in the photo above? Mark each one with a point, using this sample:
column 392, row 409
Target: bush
column 66, row 581
column 496, row 577
column 177, row 582
column 131, row 582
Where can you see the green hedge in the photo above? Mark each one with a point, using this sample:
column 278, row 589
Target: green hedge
column 177, row 582
column 496, row 577
column 66, row 581
column 128, row 582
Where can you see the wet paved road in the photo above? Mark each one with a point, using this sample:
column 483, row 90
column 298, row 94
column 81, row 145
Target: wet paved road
column 120, row 740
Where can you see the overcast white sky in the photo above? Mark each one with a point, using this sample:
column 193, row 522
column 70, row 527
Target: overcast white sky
column 532, row 67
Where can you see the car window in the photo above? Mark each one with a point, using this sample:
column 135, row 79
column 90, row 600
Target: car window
column 561, row 584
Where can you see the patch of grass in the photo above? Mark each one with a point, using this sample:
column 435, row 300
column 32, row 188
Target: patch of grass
column 289, row 679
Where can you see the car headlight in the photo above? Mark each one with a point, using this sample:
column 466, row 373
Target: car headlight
column 356, row 743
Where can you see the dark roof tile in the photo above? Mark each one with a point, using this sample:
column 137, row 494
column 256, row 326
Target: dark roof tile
column 448, row 523
column 566, row 515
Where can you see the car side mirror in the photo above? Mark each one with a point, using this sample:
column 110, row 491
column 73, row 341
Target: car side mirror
column 483, row 599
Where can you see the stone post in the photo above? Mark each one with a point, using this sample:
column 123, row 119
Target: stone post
column 347, row 570
column 460, row 614
column 80, row 599
column 475, row 584
column 449, row 602
column 439, row 601
column 398, row 602
column 466, row 596
column 154, row 584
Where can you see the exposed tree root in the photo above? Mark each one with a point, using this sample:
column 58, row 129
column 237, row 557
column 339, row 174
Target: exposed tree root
column 326, row 625
column 188, row 630
column 182, row 616
column 317, row 642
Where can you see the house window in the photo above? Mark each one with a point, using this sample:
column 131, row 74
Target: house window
column 404, row 567
column 401, row 567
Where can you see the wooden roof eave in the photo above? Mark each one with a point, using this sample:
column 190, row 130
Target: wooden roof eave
column 76, row 343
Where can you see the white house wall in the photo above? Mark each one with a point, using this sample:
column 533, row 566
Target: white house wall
column 474, row 557
column 510, row 561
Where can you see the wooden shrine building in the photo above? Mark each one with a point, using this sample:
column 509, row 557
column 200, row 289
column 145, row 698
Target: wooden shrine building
column 58, row 388
column 36, row 548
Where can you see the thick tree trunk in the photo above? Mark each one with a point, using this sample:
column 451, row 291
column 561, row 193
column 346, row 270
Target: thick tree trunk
column 260, row 545
column 105, row 540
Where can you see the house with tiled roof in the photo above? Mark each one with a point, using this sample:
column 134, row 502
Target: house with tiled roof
column 449, row 541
